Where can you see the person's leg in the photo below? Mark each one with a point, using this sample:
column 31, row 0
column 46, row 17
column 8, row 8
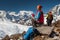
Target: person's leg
column 36, row 31
column 34, row 23
column 47, row 22
column 50, row 22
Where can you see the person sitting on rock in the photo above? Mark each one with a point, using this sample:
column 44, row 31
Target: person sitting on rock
column 39, row 17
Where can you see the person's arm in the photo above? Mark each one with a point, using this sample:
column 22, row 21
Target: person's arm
column 52, row 17
column 37, row 16
column 46, row 16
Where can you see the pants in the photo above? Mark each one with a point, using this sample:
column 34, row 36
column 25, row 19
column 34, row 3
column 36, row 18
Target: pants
column 34, row 23
column 49, row 22
column 30, row 33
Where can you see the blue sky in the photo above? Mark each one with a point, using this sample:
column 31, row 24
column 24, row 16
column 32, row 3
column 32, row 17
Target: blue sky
column 29, row 5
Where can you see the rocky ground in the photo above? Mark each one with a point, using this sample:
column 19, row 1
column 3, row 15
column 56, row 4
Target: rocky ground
column 47, row 33
column 56, row 29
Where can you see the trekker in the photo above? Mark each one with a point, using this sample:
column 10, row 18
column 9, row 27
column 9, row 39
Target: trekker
column 31, row 32
column 39, row 17
column 49, row 18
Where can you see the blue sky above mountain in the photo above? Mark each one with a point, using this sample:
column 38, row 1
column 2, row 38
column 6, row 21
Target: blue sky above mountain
column 29, row 5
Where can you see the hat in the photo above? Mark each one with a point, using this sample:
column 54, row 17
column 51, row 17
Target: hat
column 39, row 6
column 50, row 13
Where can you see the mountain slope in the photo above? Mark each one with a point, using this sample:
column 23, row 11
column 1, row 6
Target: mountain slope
column 9, row 28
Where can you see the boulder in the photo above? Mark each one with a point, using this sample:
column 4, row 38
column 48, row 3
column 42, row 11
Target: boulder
column 57, row 23
column 45, row 29
column 15, row 36
column 38, row 38
column 6, row 38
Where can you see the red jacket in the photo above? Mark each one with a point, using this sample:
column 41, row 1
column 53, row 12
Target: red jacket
column 41, row 18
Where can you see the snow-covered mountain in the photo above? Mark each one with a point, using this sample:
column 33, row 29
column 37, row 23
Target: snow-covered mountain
column 7, row 27
column 56, row 11
column 22, row 17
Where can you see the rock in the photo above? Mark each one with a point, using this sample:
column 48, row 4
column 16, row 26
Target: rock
column 15, row 36
column 38, row 38
column 6, row 38
column 57, row 30
column 52, row 34
column 57, row 23
column 49, row 39
column 45, row 29
column 56, row 38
